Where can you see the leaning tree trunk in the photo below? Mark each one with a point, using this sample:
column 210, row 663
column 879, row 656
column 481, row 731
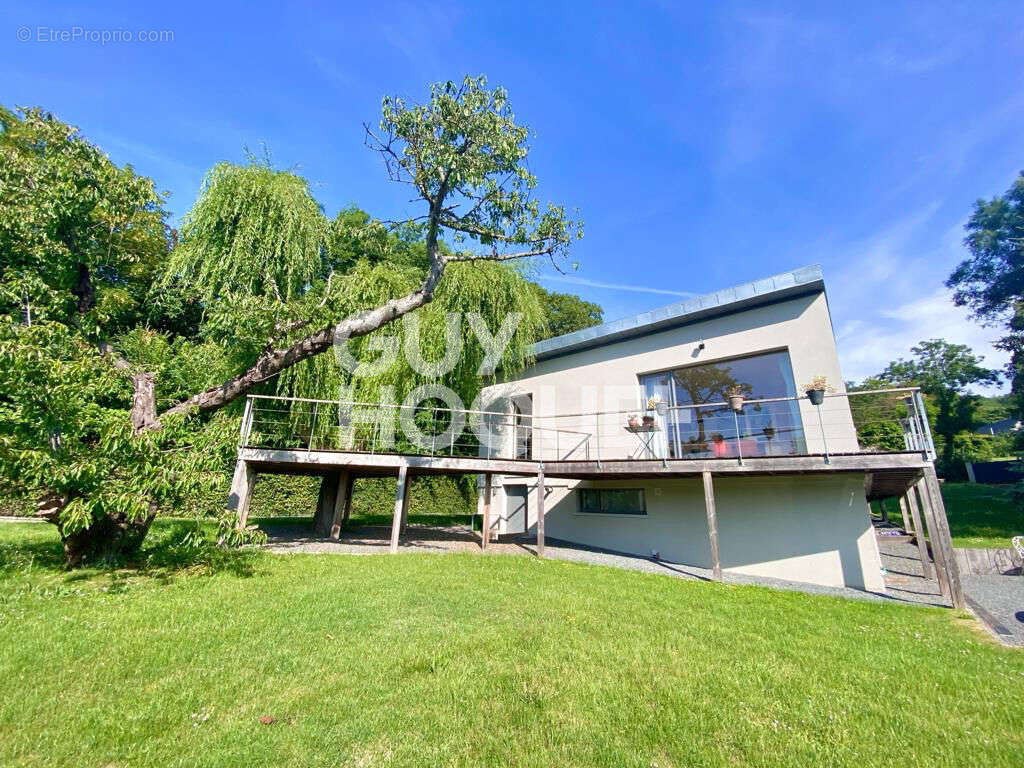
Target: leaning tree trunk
column 108, row 538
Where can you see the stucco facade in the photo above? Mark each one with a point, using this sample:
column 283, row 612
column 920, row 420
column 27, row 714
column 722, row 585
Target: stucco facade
column 810, row 529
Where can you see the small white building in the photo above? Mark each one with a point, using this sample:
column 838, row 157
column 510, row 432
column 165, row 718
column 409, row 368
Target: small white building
column 768, row 339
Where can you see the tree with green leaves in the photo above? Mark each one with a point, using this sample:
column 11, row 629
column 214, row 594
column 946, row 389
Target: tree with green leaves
column 991, row 280
column 565, row 312
column 276, row 283
column 943, row 371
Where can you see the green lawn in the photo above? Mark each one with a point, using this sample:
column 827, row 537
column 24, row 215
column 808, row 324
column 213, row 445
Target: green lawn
column 431, row 660
column 979, row 515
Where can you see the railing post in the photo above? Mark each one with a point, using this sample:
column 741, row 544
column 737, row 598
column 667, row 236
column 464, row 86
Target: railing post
column 739, row 445
column 246, row 421
column 312, row 430
column 926, row 429
column 824, row 440
column 597, row 436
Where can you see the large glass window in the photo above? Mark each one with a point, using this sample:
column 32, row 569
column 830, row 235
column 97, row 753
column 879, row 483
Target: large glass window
column 765, row 429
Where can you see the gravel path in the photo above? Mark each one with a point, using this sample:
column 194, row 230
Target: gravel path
column 904, row 577
column 905, row 583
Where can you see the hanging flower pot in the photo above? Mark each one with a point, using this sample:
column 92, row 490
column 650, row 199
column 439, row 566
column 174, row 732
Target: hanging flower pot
column 815, row 390
column 735, row 395
column 816, row 396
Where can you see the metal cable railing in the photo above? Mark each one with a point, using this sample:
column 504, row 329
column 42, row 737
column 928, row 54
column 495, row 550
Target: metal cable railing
column 875, row 421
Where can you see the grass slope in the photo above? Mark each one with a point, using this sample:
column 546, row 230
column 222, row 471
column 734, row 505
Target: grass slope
column 982, row 515
column 979, row 515
column 425, row 660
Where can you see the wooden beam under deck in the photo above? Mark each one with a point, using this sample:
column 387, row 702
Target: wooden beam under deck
column 906, row 465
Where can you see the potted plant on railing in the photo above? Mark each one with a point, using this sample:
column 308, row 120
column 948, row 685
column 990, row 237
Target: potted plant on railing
column 655, row 403
column 816, row 389
column 735, row 396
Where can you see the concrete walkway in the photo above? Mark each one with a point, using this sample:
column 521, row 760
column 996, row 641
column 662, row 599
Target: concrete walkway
column 999, row 602
column 904, row 581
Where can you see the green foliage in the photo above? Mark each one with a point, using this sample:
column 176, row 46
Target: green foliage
column 943, row 371
column 565, row 313
column 970, row 446
column 991, row 280
column 882, row 436
column 63, row 432
column 465, row 148
column 94, row 302
column 997, row 408
column 372, row 498
column 253, row 231
column 81, row 240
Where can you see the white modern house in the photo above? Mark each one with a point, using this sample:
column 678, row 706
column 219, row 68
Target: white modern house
column 715, row 433
column 767, row 338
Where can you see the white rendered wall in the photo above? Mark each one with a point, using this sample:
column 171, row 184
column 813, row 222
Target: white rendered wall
column 606, row 378
column 798, row 528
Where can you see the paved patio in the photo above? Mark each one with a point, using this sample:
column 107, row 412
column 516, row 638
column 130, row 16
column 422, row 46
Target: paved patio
column 904, row 578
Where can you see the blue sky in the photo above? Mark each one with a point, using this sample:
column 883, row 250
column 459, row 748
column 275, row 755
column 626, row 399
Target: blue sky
column 705, row 144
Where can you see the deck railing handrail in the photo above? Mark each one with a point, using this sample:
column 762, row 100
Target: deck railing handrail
column 725, row 404
column 915, row 425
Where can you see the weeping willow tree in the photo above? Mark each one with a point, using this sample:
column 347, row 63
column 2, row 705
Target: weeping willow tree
column 276, row 283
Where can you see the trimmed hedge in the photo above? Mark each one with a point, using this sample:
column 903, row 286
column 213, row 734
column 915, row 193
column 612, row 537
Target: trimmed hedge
column 295, row 496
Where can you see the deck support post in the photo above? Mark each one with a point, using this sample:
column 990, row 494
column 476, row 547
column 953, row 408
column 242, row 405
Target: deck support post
column 941, row 539
column 540, row 510
column 341, row 499
column 241, row 491
column 348, row 498
column 709, row 504
column 401, row 498
column 485, row 524
column 922, row 546
column 937, row 553
column 325, row 503
column 908, row 524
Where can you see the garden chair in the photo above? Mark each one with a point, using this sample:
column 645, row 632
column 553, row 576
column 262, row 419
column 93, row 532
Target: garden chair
column 1018, row 544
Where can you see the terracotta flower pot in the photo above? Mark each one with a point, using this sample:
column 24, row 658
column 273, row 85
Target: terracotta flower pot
column 633, row 422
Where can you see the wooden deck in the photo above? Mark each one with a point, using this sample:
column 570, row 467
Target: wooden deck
column 887, row 474
column 907, row 476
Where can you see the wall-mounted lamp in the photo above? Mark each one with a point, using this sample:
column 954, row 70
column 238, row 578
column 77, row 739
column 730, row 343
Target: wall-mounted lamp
column 700, row 345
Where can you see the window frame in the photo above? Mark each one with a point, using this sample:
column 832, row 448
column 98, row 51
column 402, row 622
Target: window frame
column 580, row 510
column 674, row 436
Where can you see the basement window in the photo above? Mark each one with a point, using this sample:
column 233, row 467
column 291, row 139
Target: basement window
column 613, row 501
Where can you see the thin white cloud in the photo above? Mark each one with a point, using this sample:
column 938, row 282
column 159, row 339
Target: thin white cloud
column 612, row 286
column 889, row 295
column 866, row 346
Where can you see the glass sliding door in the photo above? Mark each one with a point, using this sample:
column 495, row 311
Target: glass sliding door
column 765, row 429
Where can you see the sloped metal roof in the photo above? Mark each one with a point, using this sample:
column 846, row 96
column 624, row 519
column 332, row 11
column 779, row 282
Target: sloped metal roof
column 768, row 290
